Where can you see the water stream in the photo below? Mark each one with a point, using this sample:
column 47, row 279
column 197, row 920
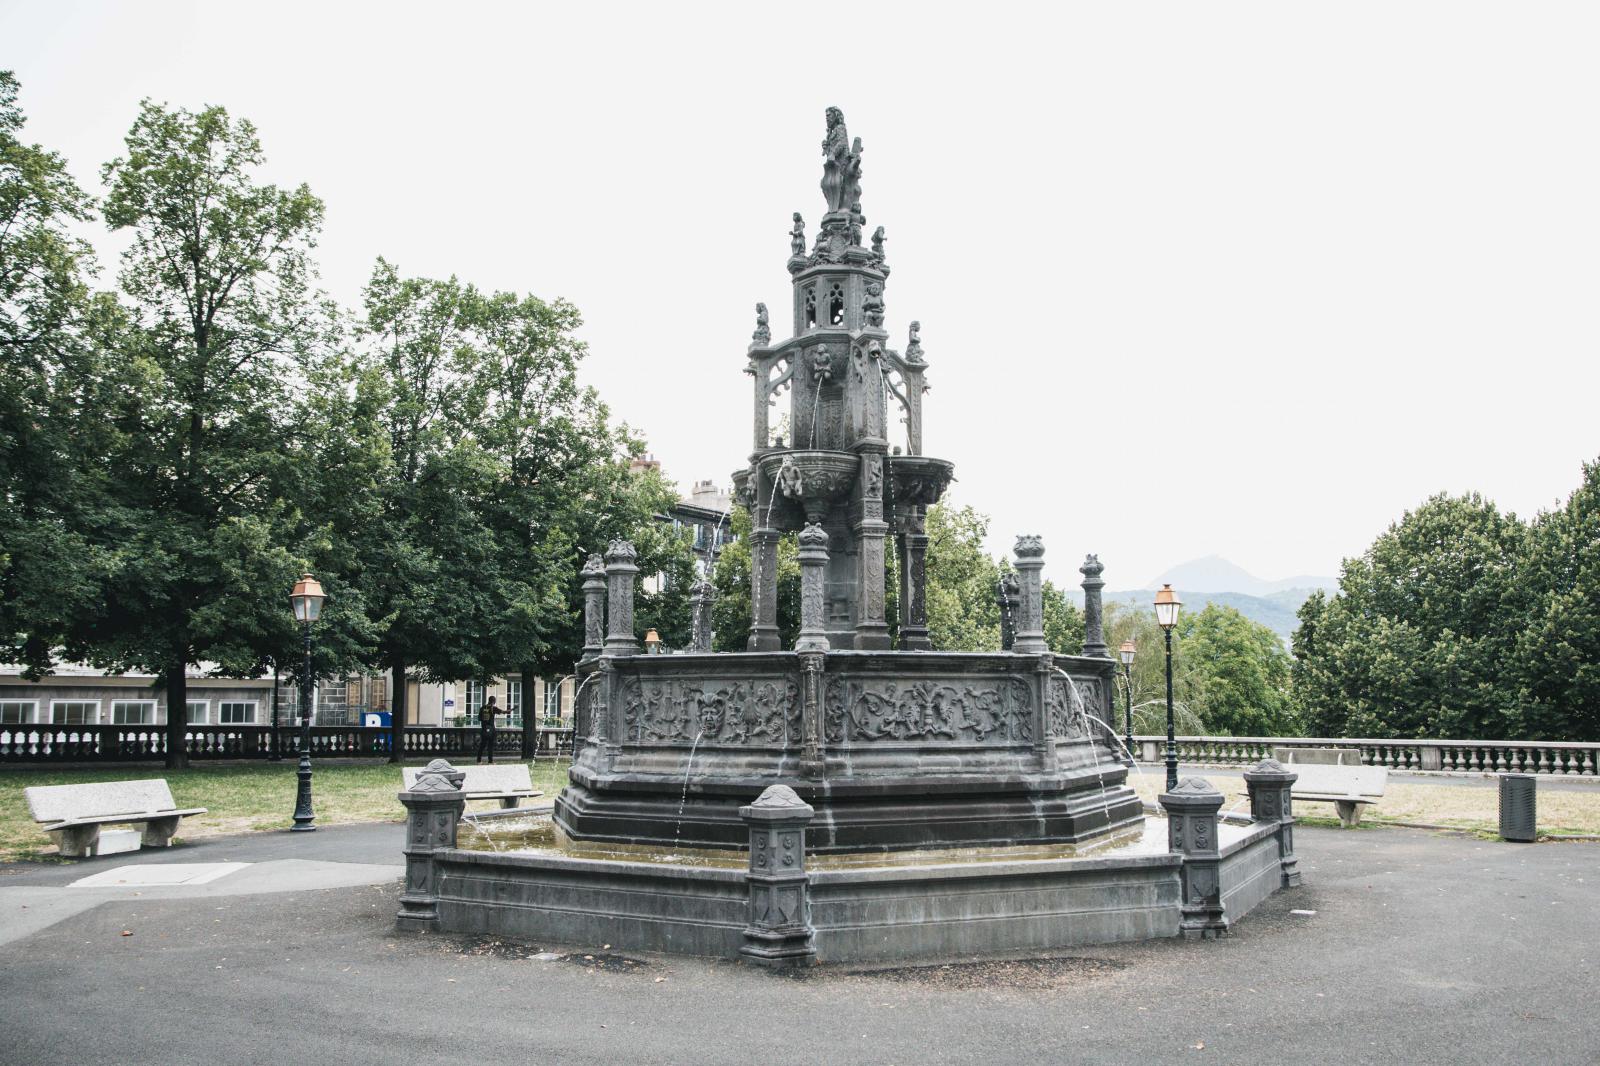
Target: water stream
column 683, row 800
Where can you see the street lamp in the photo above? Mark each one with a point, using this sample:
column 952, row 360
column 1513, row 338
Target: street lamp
column 307, row 599
column 1126, row 653
column 1167, row 604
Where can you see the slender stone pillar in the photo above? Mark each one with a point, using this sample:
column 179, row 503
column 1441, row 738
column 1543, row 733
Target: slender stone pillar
column 1270, row 784
column 433, row 807
column 764, row 590
column 702, row 596
column 914, row 584
column 813, row 589
column 872, row 532
column 811, row 669
column 594, row 606
column 1192, row 831
column 779, row 933
column 1094, row 635
column 1029, row 551
column 620, row 575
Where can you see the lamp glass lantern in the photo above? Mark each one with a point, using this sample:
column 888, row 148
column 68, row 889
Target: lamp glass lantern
column 307, row 599
column 1126, row 652
column 1167, row 605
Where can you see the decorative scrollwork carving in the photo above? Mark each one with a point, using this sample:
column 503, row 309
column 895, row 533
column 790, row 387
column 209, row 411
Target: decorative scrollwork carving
column 750, row 711
column 932, row 709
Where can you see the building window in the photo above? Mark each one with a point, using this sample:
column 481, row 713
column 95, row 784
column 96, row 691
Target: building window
column 133, row 712
column 552, row 699
column 835, row 306
column 237, row 712
column 75, row 712
column 380, row 694
column 513, row 703
column 197, row 712
column 18, row 712
column 474, row 698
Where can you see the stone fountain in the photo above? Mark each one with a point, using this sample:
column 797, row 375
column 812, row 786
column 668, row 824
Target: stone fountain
column 967, row 801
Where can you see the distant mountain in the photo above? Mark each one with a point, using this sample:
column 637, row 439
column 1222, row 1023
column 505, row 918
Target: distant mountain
column 1213, row 573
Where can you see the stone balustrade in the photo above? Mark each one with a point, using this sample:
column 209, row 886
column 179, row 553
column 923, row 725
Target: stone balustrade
column 1555, row 758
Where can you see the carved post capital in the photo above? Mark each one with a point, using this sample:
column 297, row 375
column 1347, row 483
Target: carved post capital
column 1029, row 552
column 1192, row 809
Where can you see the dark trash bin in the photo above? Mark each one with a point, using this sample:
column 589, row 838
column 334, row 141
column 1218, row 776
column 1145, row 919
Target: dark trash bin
column 1519, row 807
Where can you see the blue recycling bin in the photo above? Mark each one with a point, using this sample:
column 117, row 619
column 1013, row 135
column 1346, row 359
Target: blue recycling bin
column 379, row 720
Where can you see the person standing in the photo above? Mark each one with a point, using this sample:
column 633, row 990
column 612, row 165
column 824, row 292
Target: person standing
column 486, row 715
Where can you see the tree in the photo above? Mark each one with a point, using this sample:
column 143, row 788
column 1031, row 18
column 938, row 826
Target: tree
column 1420, row 640
column 217, row 276
column 960, row 594
column 1558, row 642
column 730, row 614
column 55, row 389
column 1240, row 672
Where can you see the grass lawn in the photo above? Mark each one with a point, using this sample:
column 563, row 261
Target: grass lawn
column 238, row 798
column 1475, row 809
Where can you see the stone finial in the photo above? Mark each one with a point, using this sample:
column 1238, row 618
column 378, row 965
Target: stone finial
column 1194, row 787
column 783, row 799
column 594, row 566
column 841, row 165
column 813, row 536
column 1092, row 568
column 1028, row 546
column 620, row 551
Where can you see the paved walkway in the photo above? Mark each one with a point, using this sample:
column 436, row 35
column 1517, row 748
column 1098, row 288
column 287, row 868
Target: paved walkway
column 1423, row 948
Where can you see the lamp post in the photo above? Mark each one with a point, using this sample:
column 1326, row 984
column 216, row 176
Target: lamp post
column 307, row 599
column 1167, row 604
column 1126, row 654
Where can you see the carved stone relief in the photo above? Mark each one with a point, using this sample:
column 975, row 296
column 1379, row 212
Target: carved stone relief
column 723, row 711
column 952, row 709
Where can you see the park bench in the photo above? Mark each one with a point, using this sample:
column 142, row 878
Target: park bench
column 509, row 784
column 1334, row 775
column 73, row 814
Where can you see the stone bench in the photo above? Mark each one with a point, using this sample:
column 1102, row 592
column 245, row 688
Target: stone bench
column 509, row 784
column 1334, row 775
column 73, row 814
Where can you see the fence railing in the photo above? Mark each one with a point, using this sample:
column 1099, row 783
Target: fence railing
column 1557, row 758
column 134, row 743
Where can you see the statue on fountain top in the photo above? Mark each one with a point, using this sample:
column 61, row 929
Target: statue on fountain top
column 841, row 165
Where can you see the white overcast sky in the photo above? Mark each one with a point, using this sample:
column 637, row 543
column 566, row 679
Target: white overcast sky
column 1248, row 278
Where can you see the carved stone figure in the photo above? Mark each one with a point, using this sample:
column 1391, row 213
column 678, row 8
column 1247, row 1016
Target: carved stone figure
column 789, row 482
column 914, row 344
column 874, row 478
column 858, row 224
column 763, row 333
column 797, row 236
column 841, row 164
column 821, row 365
column 877, row 242
column 872, row 304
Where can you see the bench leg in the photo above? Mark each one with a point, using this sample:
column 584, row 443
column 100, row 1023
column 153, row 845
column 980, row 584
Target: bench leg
column 158, row 832
column 1349, row 813
column 78, row 842
column 508, row 803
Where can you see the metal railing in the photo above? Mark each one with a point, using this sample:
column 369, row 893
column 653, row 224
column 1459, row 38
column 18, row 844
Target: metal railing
column 1555, row 758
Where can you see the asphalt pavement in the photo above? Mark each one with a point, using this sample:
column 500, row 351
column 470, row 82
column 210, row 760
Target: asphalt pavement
column 1421, row 947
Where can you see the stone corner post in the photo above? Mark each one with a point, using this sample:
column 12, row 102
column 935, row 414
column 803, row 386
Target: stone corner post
column 813, row 557
column 594, row 606
column 1270, row 784
column 620, row 574
column 1029, row 551
column 1192, row 832
column 763, row 590
column 1094, row 635
column 701, row 596
column 779, row 933
column 433, row 808
column 914, row 582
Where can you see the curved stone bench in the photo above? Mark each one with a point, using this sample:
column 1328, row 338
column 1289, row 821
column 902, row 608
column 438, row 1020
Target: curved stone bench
column 73, row 814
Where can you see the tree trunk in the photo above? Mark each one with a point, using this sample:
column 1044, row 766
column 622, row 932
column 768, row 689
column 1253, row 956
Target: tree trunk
column 530, row 715
column 177, row 684
column 397, row 711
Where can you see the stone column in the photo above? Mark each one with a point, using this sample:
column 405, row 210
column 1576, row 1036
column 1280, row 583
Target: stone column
column 1192, row 832
column 872, row 626
column 914, row 584
column 813, row 589
column 1029, row 551
column 433, row 808
column 811, row 668
column 620, row 574
column 764, row 590
column 1094, row 636
column 1270, row 783
column 779, row 932
column 702, row 596
column 594, row 606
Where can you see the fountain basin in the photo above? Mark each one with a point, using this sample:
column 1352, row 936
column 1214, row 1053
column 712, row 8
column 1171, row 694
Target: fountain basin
column 820, row 479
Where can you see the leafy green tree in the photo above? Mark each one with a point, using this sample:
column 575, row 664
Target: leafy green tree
column 1558, row 640
column 730, row 614
column 55, row 390
column 217, row 276
column 1421, row 639
column 960, row 594
column 1240, row 671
